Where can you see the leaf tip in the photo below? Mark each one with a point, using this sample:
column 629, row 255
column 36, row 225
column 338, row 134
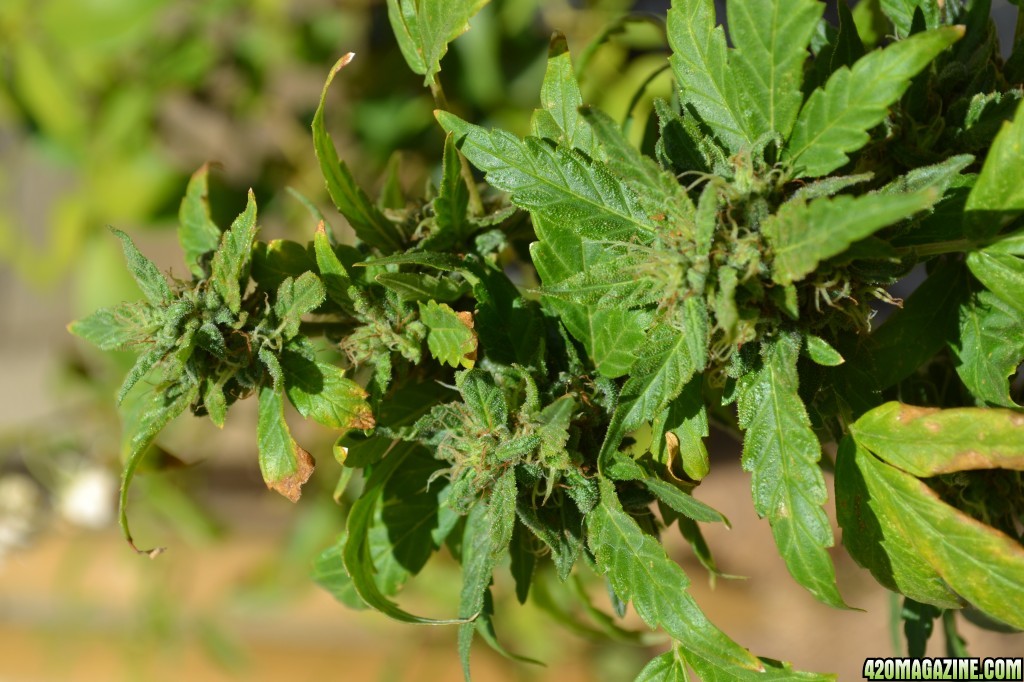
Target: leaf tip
column 291, row 486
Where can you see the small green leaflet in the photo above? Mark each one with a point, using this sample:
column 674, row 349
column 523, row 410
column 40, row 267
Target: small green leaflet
column 296, row 298
column 231, row 261
column 782, row 452
column 320, row 391
column 197, row 233
column 157, row 409
column 804, row 234
column 989, row 348
column 559, row 118
column 369, row 224
column 415, row 286
column 836, row 118
column 901, row 13
column 425, row 27
column 452, row 199
column 153, row 285
column 559, row 183
column 451, row 338
column 683, row 502
column 983, row 565
column 117, row 328
column 668, row 667
column 819, row 350
column 928, row 441
column 333, row 274
column 285, row 465
column 771, row 38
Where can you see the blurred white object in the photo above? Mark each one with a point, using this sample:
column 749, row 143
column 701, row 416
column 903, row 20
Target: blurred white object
column 21, row 504
column 88, row 498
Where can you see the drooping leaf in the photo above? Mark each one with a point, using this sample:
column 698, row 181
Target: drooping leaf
column 803, row 234
column 329, row 573
column 559, row 117
column 197, row 233
column 982, row 565
column 927, row 441
column 487, row 534
column 451, row 338
column 153, row 284
column 877, row 540
column 782, row 452
column 425, row 27
column 367, row 221
column 285, row 465
column 296, row 298
column 231, row 261
column 558, row 183
column 357, row 553
column 700, row 63
column 320, row 391
column 989, row 348
column 836, row 118
column 156, row 411
column 683, row 502
column 640, row 571
column 771, row 38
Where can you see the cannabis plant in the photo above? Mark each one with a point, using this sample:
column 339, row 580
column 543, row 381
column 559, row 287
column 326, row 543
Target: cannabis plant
column 727, row 270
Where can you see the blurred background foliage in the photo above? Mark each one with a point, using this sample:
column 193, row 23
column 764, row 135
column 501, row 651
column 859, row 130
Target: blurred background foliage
column 106, row 108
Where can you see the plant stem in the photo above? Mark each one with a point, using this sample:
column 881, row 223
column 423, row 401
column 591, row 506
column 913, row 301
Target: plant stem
column 938, row 248
column 476, row 205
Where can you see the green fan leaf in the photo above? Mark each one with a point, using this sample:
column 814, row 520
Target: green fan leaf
column 782, row 452
column 700, row 62
column 771, row 38
column 285, row 465
column 367, row 221
column 197, row 233
column 575, row 192
column 836, row 118
column 640, row 571
column 295, row 298
column 232, row 260
column 425, row 27
column 803, row 234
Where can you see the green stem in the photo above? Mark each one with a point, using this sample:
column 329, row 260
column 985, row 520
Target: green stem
column 938, row 248
column 476, row 205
